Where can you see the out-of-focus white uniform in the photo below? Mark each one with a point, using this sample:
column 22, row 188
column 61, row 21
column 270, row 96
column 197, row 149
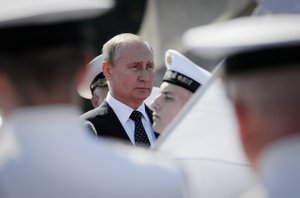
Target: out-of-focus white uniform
column 46, row 152
column 279, row 168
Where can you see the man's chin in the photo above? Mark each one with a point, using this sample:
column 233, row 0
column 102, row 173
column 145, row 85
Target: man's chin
column 143, row 94
column 155, row 128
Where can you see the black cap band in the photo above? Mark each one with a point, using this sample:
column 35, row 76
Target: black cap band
column 263, row 59
column 42, row 36
column 181, row 80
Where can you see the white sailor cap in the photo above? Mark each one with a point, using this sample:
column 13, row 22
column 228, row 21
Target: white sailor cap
column 183, row 72
column 20, row 12
column 33, row 25
column 249, row 43
column 95, row 78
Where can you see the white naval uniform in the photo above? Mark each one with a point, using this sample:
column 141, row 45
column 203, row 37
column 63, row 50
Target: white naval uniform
column 48, row 154
column 279, row 168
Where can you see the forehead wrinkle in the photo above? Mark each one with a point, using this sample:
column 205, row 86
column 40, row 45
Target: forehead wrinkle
column 120, row 55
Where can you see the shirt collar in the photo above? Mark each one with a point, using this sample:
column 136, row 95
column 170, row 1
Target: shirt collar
column 123, row 110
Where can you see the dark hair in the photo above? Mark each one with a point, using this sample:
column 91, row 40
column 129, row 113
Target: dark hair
column 45, row 59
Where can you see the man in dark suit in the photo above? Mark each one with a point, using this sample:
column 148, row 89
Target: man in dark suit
column 129, row 69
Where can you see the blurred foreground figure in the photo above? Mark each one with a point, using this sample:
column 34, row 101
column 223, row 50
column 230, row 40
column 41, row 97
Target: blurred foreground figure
column 262, row 78
column 44, row 149
column 181, row 80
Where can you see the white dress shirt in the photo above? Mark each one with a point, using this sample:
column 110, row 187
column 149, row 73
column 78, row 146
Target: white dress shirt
column 123, row 113
column 52, row 156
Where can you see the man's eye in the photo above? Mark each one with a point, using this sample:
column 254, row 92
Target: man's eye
column 167, row 98
column 150, row 67
column 133, row 67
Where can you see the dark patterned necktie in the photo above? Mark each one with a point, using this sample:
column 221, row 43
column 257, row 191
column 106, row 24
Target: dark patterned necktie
column 140, row 135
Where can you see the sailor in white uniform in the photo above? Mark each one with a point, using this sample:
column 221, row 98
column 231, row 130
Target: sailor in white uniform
column 44, row 148
column 261, row 72
column 181, row 80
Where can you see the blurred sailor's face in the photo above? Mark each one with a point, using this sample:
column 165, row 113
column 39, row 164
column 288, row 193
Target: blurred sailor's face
column 131, row 76
column 167, row 105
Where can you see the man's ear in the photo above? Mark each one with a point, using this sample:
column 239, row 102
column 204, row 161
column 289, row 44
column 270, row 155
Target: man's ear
column 248, row 129
column 243, row 122
column 251, row 132
column 94, row 101
column 8, row 98
column 106, row 69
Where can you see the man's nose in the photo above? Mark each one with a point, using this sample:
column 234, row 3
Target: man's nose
column 147, row 75
column 156, row 102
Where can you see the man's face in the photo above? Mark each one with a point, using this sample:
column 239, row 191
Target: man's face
column 167, row 105
column 132, row 74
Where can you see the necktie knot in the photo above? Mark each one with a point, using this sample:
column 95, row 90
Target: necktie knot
column 136, row 116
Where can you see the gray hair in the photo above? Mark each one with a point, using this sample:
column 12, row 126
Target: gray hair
column 110, row 47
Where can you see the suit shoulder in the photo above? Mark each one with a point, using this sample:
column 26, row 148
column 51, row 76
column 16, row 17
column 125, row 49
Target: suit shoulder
column 89, row 114
column 94, row 113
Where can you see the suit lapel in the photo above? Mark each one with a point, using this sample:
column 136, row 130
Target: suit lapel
column 110, row 124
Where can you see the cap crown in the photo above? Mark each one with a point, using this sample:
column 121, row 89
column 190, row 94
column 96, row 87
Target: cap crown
column 183, row 72
column 249, row 43
column 243, row 34
column 94, row 69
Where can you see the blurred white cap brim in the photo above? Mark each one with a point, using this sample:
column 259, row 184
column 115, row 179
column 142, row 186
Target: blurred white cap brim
column 219, row 40
column 19, row 12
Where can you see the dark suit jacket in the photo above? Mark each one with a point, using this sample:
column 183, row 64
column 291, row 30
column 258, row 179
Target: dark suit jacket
column 104, row 122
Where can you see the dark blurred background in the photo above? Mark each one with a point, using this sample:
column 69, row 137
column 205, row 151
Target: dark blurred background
column 125, row 16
